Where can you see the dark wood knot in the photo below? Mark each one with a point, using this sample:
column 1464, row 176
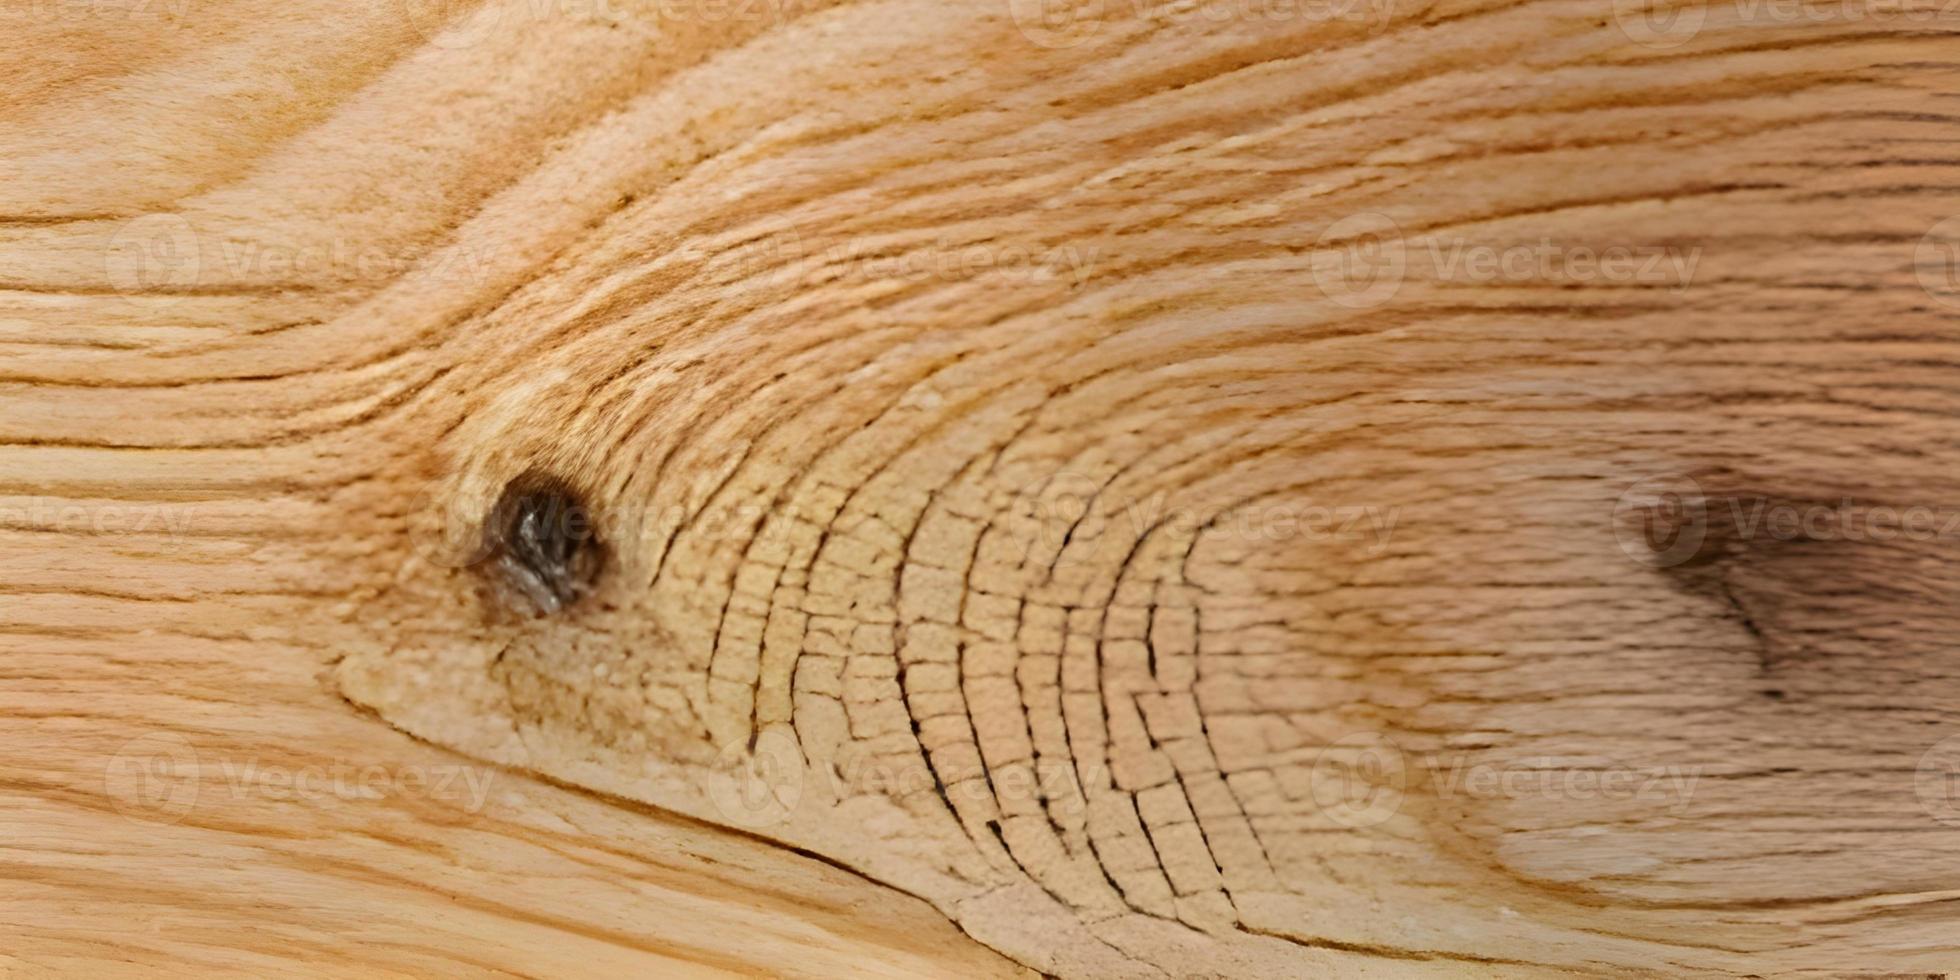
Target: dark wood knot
column 543, row 544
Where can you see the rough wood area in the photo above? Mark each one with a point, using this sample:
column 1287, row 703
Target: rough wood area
column 1119, row 488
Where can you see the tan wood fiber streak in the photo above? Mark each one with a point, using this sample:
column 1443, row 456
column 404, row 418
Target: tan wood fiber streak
column 1244, row 489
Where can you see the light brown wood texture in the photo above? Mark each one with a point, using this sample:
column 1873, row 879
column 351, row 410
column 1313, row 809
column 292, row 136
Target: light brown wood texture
column 1113, row 489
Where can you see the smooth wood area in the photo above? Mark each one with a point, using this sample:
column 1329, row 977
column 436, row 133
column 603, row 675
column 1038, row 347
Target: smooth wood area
column 1108, row 489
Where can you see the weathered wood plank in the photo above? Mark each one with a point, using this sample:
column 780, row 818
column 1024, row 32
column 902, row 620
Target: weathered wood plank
column 1250, row 489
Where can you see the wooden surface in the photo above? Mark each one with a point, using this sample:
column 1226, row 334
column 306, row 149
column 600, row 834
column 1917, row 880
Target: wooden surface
column 1238, row 489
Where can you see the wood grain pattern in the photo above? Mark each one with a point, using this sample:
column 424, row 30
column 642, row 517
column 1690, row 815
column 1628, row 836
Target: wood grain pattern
column 1105, row 489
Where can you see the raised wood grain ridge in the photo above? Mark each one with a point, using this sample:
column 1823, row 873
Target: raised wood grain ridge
column 1239, row 488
